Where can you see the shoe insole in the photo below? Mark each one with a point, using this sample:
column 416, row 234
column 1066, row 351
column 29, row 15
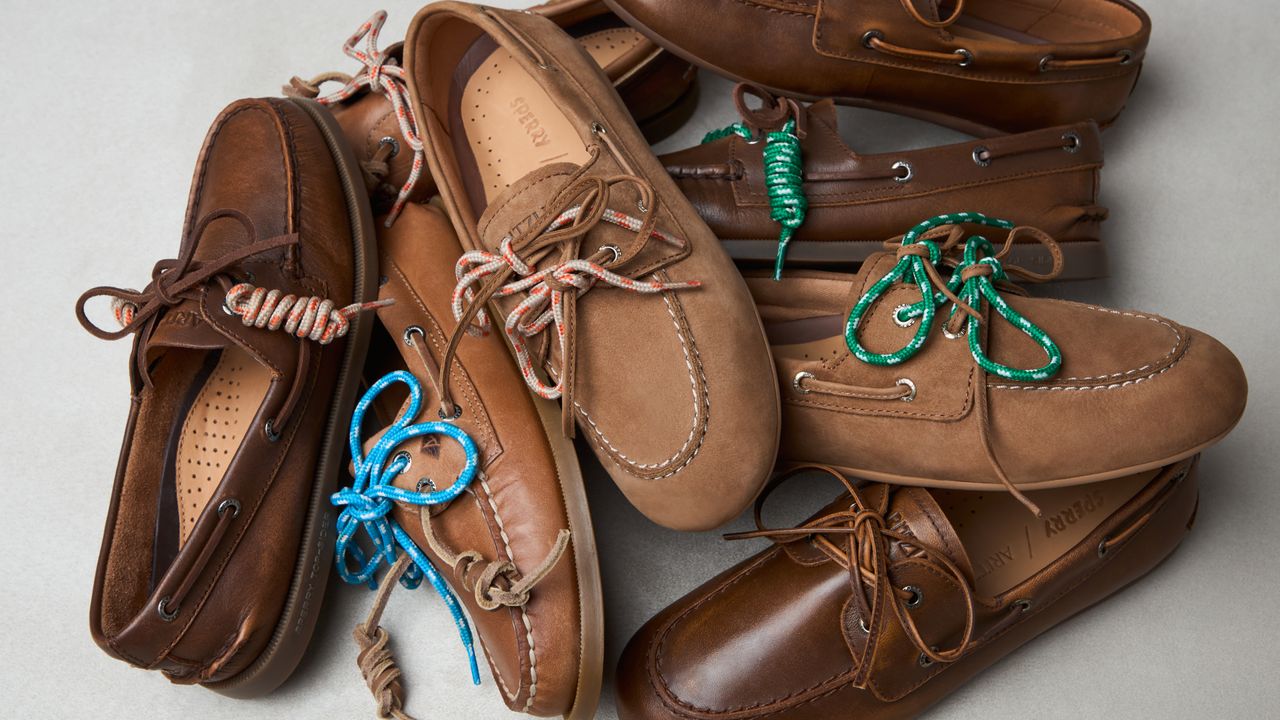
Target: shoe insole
column 215, row 426
column 1007, row 545
column 506, row 125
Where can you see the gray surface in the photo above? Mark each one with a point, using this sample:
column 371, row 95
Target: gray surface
column 104, row 112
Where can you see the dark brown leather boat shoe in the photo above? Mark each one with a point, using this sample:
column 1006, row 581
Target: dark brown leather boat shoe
column 615, row 297
column 890, row 599
column 658, row 88
column 1005, row 391
column 246, row 359
column 983, row 66
column 515, row 543
column 781, row 186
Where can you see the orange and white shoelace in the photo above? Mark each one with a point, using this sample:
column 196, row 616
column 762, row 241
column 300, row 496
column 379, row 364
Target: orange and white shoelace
column 543, row 306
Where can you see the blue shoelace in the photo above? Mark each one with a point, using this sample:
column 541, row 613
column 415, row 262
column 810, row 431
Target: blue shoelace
column 368, row 501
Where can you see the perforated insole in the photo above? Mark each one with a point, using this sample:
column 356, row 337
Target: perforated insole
column 215, row 426
column 1006, row 544
column 606, row 46
column 511, row 125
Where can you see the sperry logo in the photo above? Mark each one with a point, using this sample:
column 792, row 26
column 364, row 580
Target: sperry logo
column 993, row 562
column 529, row 121
column 1073, row 514
column 182, row 318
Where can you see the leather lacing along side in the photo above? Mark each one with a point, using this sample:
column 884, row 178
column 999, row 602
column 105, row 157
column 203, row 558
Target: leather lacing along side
column 964, row 58
column 381, row 74
column 781, row 123
column 366, row 505
column 977, row 277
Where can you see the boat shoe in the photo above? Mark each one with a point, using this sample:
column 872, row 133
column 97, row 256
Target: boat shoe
column 246, row 359
column 981, row 66
column 782, row 186
column 615, row 297
column 484, row 500
column 929, row 368
column 658, row 88
column 891, row 598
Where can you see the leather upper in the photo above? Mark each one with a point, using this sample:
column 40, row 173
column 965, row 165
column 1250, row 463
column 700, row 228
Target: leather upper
column 1014, row 79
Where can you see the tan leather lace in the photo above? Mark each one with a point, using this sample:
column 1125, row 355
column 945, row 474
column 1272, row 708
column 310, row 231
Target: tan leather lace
column 858, row 539
column 962, row 57
column 904, row 389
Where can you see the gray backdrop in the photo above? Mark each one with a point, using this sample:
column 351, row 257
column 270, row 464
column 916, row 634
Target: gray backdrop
column 104, row 111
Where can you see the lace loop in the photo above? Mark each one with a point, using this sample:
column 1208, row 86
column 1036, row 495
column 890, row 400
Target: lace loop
column 381, row 74
column 972, row 282
column 366, row 504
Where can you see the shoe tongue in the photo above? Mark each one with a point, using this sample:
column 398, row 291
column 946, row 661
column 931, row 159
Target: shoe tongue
column 928, row 9
column 913, row 511
column 182, row 326
column 522, row 203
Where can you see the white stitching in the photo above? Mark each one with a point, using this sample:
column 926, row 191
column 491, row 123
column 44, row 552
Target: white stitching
column 697, row 408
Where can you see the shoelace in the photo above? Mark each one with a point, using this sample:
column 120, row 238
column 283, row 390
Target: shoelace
column 552, row 293
column 858, row 540
column 543, row 305
column 366, row 505
column 972, row 282
column 313, row 317
column 380, row 75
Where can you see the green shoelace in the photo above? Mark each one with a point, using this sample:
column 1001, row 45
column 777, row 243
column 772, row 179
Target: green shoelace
column 976, row 289
column 783, row 177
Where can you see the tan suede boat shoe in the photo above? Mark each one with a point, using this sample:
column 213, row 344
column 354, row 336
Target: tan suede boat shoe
column 246, row 359
column 890, row 599
column 979, row 387
column 515, row 541
column 658, row 88
column 615, row 297
column 781, row 186
column 984, row 67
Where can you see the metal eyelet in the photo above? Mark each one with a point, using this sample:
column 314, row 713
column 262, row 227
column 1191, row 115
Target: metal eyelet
column 395, row 145
column 906, row 172
column 163, row 611
column 954, row 336
column 1126, row 56
column 457, row 413
column 226, row 309
column 409, row 332
column 617, row 253
column 269, row 429
column 967, row 58
column 870, row 35
column 597, row 128
column 795, row 382
column 862, row 625
column 1023, row 605
column 917, row 596
column 229, row 504
column 1102, row 549
column 906, row 382
column 925, row 660
column 982, row 156
column 408, row 459
column 427, row 482
column 897, row 316
column 1071, row 141
column 1044, row 63
column 383, row 280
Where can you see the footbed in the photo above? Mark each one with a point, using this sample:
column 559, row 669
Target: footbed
column 213, row 430
column 1007, row 545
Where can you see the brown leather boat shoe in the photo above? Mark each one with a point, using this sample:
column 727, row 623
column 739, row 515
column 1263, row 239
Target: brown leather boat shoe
column 890, row 599
column 246, row 359
column 983, row 66
column 781, row 186
column 658, row 88
column 1004, row 390
column 505, row 526
column 615, row 297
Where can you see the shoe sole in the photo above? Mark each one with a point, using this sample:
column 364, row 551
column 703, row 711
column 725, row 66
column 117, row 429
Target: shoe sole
column 297, row 622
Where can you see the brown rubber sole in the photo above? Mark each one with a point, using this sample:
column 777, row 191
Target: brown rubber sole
column 315, row 558
column 1082, row 260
